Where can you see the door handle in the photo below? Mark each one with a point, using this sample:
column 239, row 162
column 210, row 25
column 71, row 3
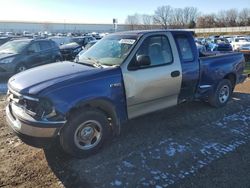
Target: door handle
column 175, row 73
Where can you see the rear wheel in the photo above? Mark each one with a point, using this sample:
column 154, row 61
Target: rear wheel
column 222, row 94
column 85, row 133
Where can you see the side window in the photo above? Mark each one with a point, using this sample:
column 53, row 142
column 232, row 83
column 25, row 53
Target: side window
column 185, row 48
column 45, row 45
column 34, row 47
column 157, row 48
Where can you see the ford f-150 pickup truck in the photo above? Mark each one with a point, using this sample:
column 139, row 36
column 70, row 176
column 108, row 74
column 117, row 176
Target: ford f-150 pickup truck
column 123, row 76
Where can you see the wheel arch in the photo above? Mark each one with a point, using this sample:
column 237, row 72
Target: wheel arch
column 104, row 105
column 232, row 78
column 20, row 63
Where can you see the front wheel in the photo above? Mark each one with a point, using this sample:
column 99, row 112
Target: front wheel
column 85, row 133
column 21, row 68
column 222, row 94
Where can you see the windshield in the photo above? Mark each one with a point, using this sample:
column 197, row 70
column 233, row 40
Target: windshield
column 111, row 50
column 13, row 46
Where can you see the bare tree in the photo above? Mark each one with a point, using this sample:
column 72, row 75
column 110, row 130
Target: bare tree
column 184, row 17
column 163, row 16
column 221, row 19
column 244, row 17
column 147, row 21
column 178, row 21
column 227, row 18
column 132, row 21
column 231, row 17
column 189, row 15
column 206, row 21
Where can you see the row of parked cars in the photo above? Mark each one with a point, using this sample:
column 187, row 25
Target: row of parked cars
column 224, row 43
column 19, row 54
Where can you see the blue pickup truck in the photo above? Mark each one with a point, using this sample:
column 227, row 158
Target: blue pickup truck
column 123, row 76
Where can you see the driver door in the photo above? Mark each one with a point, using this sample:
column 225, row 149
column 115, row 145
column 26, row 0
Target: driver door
column 155, row 86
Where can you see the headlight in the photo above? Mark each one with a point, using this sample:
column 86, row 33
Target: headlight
column 41, row 109
column 7, row 60
column 45, row 109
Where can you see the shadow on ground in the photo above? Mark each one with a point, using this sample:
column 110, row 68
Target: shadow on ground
column 180, row 124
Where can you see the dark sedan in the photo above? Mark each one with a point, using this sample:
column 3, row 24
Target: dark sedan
column 19, row 55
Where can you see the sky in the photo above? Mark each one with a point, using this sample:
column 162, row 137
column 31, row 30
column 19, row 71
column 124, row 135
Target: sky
column 100, row 11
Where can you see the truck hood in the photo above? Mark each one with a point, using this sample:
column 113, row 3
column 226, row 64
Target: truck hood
column 36, row 79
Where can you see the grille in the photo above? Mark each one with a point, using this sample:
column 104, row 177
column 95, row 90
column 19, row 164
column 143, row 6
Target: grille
column 27, row 103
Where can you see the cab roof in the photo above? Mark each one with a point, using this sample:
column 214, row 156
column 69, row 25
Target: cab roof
column 143, row 32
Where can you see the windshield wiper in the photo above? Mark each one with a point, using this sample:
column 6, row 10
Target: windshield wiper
column 87, row 64
column 96, row 63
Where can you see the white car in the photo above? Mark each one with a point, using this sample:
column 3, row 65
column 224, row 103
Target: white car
column 245, row 49
column 237, row 43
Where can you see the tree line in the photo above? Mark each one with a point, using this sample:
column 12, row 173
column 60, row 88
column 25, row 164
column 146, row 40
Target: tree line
column 189, row 17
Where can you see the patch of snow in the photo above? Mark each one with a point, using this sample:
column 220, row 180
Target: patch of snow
column 116, row 183
column 127, row 164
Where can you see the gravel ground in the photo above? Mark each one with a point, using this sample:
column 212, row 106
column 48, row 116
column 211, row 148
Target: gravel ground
column 192, row 145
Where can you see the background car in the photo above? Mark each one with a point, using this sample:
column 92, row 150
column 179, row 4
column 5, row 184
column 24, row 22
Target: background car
column 83, row 41
column 19, row 55
column 70, row 50
column 238, row 42
column 88, row 46
column 245, row 49
column 217, row 44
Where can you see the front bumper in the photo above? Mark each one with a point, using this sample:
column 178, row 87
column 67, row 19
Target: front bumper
column 31, row 131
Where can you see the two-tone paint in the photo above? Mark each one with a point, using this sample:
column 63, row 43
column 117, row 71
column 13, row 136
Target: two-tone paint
column 123, row 93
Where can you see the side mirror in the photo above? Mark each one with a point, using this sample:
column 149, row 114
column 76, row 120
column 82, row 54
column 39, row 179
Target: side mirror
column 143, row 60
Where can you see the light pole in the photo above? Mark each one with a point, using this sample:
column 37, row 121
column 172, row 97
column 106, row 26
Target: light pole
column 115, row 22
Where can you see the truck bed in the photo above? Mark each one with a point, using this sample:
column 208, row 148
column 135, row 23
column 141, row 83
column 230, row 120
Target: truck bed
column 216, row 66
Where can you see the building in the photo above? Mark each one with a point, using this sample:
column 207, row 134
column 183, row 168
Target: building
column 14, row 26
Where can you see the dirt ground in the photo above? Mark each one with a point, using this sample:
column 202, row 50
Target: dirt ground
column 192, row 145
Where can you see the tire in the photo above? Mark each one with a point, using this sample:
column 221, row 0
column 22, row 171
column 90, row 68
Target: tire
column 222, row 94
column 86, row 133
column 21, row 68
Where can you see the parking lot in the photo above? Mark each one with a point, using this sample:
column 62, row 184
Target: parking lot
column 192, row 145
